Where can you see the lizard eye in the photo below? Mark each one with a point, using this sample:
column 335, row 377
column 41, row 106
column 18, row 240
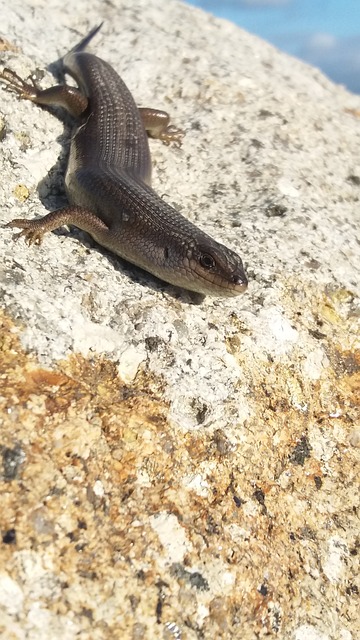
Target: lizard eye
column 207, row 261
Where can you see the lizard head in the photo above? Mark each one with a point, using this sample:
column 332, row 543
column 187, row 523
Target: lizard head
column 215, row 270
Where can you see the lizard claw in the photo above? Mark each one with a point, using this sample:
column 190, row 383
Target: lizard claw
column 172, row 135
column 17, row 85
column 31, row 236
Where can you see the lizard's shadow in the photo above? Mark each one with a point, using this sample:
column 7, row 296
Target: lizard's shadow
column 52, row 194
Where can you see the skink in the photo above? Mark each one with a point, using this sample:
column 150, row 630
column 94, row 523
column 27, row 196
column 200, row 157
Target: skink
column 108, row 181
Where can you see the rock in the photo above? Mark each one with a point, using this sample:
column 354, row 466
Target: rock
column 229, row 422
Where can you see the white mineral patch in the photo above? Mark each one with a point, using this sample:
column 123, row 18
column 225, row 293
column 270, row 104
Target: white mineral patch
column 172, row 536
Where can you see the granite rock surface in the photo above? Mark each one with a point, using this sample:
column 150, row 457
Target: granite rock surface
column 175, row 468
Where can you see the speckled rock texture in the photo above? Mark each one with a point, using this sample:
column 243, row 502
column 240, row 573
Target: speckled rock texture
column 175, row 468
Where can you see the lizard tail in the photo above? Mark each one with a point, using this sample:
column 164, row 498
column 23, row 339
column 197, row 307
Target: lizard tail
column 85, row 41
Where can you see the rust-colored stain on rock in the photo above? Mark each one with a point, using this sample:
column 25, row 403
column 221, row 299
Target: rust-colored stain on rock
column 105, row 501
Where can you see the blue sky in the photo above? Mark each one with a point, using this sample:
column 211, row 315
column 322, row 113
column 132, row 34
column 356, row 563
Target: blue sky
column 325, row 33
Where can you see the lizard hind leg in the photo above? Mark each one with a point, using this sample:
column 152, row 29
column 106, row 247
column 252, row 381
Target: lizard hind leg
column 157, row 124
column 60, row 95
column 23, row 89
